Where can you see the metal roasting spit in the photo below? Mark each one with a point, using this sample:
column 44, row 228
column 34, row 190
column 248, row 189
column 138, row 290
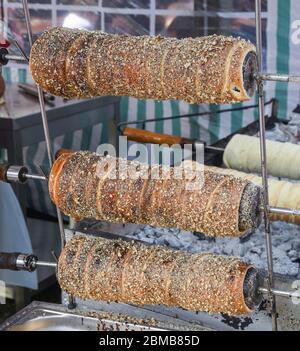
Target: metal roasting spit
column 17, row 174
column 284, row 310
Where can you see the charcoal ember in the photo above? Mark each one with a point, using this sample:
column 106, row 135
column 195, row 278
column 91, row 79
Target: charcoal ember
column 286, row 249
column 293, row 254
column 296, row 245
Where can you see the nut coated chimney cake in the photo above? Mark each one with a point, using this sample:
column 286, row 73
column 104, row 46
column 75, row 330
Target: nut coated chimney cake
column 223, row 206
column 76, row 63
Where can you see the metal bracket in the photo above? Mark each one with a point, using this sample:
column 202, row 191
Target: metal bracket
column 263, row 154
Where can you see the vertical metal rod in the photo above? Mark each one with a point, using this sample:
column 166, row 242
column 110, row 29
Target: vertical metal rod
column 205, row 26
column 17, row 45
column 263, row 153
column 44, row 120
column 27, row 21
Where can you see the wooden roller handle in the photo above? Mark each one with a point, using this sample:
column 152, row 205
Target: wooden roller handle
column 145, row 136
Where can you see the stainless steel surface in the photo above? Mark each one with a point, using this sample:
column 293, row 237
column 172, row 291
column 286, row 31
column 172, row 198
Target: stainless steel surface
column 16, row 58
column 199, row 145
column 29, row 262
column 288, row 211
column 280, row 78
column 288, row 294
column 263, row 153
column 209, row 147
column 20, row 263
column 35, row 176
column 26, row 262
column 39, row 316
column 19, row 174
column 45, row 264
column 16, row 174
column 23, row 262
column 45, row 122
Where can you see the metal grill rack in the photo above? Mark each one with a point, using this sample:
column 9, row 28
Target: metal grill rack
column 261, row 78
column 121, row 125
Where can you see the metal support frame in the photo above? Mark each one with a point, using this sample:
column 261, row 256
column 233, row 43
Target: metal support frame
column 47, row 134
column 286, row 211
column 288, row 294
column 17, row 58
column 280, row 78
column 263, row 153
column 261, row 77
column 44, row 120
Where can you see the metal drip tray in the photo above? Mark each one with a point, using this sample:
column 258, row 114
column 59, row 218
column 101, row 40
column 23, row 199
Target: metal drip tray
column 66, row 322
column 40, row 316
column 51, row 317
column 50, row 321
